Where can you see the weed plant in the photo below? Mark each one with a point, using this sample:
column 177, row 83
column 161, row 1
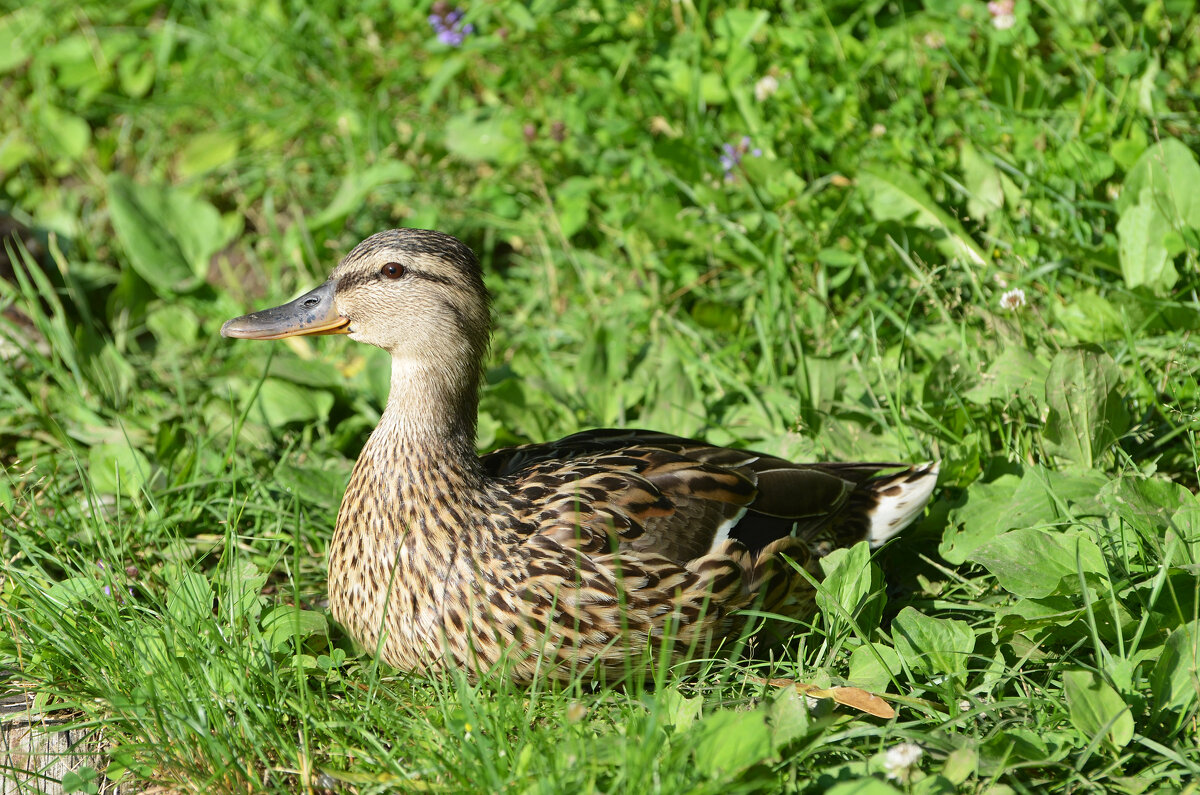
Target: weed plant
column 832, row 230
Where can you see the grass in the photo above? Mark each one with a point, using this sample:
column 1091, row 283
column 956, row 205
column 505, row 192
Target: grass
column 167, row 497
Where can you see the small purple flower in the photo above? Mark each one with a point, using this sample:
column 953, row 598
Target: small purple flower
column 731, row 156
column 447, row 23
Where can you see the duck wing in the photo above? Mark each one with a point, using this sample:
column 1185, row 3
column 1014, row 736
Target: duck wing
column 607, row 490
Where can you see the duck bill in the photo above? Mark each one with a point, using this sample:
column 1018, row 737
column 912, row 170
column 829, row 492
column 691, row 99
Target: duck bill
column 311, row 314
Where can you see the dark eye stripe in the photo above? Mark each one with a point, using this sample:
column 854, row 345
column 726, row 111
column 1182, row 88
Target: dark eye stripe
column 432, row 277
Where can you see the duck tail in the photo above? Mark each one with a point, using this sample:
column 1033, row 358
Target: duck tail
column 892, row 502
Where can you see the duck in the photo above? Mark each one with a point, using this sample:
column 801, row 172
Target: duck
column 592, row 557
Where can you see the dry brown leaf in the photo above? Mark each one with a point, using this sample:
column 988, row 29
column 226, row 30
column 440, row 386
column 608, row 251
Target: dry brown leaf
column 857, row 698
column 853, row 697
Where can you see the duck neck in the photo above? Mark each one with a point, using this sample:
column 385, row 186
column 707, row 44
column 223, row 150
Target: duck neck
column 427, row 430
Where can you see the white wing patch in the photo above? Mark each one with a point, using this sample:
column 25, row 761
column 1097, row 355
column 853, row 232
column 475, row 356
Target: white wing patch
column 723, row 530
column 901, row 500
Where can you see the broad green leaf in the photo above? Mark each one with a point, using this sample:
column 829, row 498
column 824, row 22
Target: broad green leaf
column 712, row 88
column 355, row 187
column 241, row 586
column 873, row 665
column 487, row 431
column 322, row 487
column 75, row 65
column 1095, row 707
column 18, row 30
column 136, row 74
column 680, row 80
column 491, row 138
column 172, row 322
column 1087, row 413
column 1183, row 534
column 1089, row 317
column 62, row 134
column 572, row 200
column 1005, row 748
column 206, row 151
column 681, row 711
column 288, row 621
column 1169, row 171
column 74, row 590
column 1085, row 164
column 282, row 402
column 117, row 468
column 729, row 741
column 932, row 646
column 1147, row 89
column 1011, row 559
column 1142, row 233
column 681, row 158
column 961, row 764
column 1126, row 151
column 169, row 235
column 894, row 195
column 15, row 150
column 850, row 578
column 738, row 73
column 1015, row 373
column 1175, row 680
column 1032, row 616
column 82, row 780
column 740, row 25
column 788, row 716
column 985, row 194
column 316, row 373
column 1010, row 501
column 1148, row 505
column 332, row 661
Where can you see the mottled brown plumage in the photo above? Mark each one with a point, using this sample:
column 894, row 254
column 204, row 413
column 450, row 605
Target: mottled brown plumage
column 551, row 560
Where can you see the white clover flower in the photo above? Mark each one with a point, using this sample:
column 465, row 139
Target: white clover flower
column 766, row 86
column 900, row 759
column 1013, row 300
column 1003, row 17
column 576, row 712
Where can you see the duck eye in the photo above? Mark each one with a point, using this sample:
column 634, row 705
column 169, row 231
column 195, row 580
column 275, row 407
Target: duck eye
column 392, row 270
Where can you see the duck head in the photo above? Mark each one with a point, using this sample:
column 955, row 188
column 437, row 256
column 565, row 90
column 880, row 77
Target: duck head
column 416, row 293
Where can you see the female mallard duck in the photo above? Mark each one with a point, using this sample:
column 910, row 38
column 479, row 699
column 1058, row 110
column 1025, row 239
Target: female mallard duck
column 570, row 557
